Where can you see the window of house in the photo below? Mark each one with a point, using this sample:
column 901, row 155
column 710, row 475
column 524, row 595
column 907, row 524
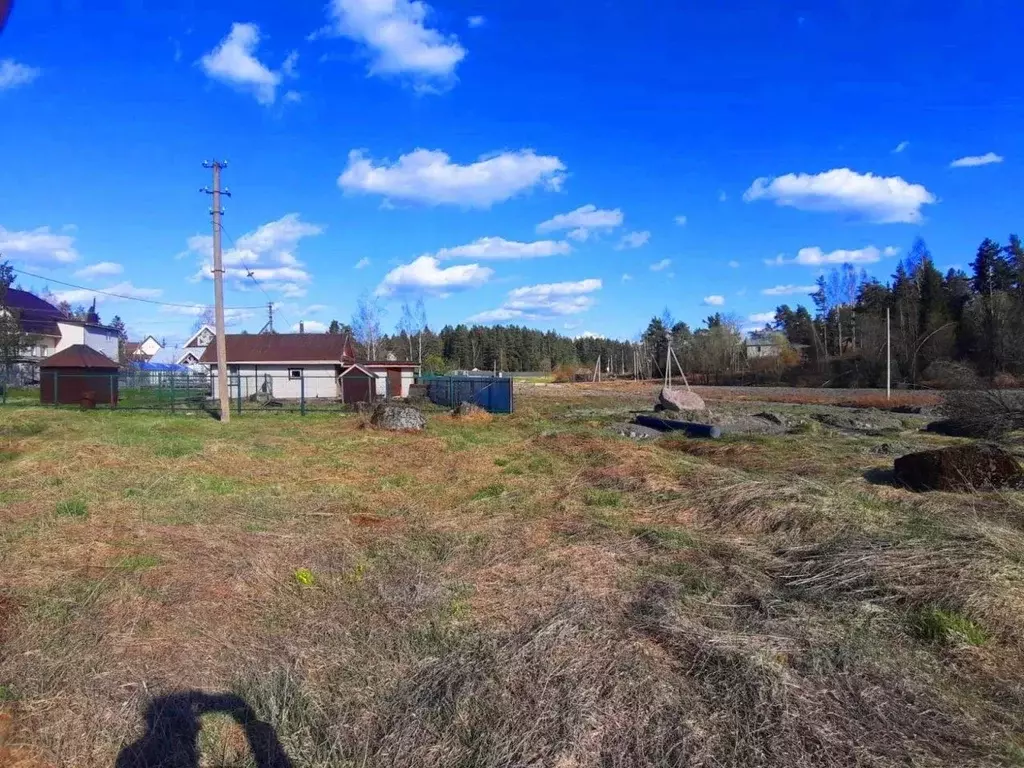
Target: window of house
column 294, row 373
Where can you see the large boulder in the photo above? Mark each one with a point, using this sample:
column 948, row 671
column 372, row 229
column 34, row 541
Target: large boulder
column 671, row 399
column 959, row 468
column 397, row 416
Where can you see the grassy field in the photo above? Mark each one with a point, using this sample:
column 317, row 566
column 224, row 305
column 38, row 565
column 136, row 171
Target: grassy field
column 530, row 590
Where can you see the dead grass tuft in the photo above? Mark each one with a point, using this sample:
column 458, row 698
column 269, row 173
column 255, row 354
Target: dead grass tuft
column 978, row 575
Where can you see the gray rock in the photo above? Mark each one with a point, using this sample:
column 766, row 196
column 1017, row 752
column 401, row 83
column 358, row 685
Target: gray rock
column 672, row 399
column 871, row 423
column 634, row 431
column 396, row 416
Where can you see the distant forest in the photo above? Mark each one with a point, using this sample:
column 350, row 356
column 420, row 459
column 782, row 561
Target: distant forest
column 958, row 320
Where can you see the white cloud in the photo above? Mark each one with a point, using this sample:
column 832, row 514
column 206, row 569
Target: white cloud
column 124, row 289
column 13, row 74
column 722, row 197
column 584, row 221
column 234, row 62
column 424, row 275
column 626, row 277
column 901, row 146
column 363, row 263
column 547, row 300
column 102, row 269
column 789, row 290
column 680, row 220
column 733, row 264
column 396, row 34
column 430, row 177
column 315, row 309
column 762, row 317
column 632, row 240
column 278, row 237
column 310, row 326
column 714, row 300
column 293, row 97
column 660, row 265
column 38, row 245
column 289, row 68
column 972, row 161
column 267, row 255
column 815, row 257
column 476, row 21
column 878, row 199
column 494, row 248
column 231, row 316
column 591, row 335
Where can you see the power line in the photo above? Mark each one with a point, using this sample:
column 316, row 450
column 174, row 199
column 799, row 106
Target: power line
column 49, row 279
column 250, row 273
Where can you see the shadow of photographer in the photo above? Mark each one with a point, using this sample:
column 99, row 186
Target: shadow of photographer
column 172, row 731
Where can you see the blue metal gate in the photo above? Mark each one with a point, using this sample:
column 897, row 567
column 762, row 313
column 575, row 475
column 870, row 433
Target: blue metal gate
column 491, row 393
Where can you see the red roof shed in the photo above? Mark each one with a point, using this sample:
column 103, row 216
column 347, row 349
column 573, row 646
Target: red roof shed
column 78, row 375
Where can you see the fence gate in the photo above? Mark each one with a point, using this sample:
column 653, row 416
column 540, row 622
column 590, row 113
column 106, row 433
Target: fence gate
column 494, row 394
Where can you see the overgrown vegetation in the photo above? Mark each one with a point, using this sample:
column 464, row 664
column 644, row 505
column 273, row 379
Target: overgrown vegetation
column 529, row 591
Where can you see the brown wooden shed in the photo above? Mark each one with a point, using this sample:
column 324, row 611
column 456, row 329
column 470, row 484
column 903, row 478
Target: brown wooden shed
column 78, row 375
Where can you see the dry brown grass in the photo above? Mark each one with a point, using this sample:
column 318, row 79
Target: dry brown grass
column 525, row 591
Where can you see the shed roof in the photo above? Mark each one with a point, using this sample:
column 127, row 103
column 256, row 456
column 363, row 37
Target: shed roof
column 284, row 348
column 79, row 356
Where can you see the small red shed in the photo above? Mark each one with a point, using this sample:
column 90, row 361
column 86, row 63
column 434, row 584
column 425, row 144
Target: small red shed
column 78, row 375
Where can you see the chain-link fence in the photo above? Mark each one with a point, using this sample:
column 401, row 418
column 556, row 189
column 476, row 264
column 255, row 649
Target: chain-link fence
column 292, row 390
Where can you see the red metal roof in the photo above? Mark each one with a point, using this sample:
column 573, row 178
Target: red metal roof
column 283, row 348
column 79, row 356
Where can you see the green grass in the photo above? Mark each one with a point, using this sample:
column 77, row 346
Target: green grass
column 175, row 447
column 493, row 491
column 138, row 562
column 597, row 497
column 665, row 538
column 937, row 625
column 72, row 508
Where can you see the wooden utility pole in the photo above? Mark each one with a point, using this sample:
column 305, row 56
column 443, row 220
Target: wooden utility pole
column 218, row 291
column 888, row 356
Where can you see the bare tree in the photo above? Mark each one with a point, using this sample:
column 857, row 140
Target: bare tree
column 421, row 326
column 407, row 326
column 206, row 317
column 366, row 324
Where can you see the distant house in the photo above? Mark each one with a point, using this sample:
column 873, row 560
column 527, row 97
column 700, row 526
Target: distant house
column 193, row 348
column 314, row 365
column 762, row 344
column 141, row 351
column 46, row 331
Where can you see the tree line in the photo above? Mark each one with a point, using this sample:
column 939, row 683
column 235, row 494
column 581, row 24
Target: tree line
column 939, row 322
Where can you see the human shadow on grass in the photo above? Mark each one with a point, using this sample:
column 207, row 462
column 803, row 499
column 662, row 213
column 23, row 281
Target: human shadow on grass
column 172, row 731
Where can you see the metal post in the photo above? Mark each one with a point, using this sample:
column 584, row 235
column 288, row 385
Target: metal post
column 239, row 400
column 56, row 381
column 888, row 357
column 302, row 393
column 172, row 393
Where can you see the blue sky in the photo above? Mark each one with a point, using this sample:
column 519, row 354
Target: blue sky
column 571, row 165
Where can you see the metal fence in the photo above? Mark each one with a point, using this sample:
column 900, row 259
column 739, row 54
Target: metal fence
column 494, row 393
column 197, row 393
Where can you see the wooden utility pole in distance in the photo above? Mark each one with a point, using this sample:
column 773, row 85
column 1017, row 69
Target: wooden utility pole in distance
column 888, row 356
column 218, row 290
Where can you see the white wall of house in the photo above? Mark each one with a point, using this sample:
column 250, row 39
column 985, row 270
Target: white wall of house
column 41, row 347
column 102, row 340
column 150, row 346
column 277, row 380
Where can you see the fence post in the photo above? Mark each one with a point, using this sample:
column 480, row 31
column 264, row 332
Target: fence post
column 302, row 392
column 56, row 381
column 172, row 393
column 238, row 407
